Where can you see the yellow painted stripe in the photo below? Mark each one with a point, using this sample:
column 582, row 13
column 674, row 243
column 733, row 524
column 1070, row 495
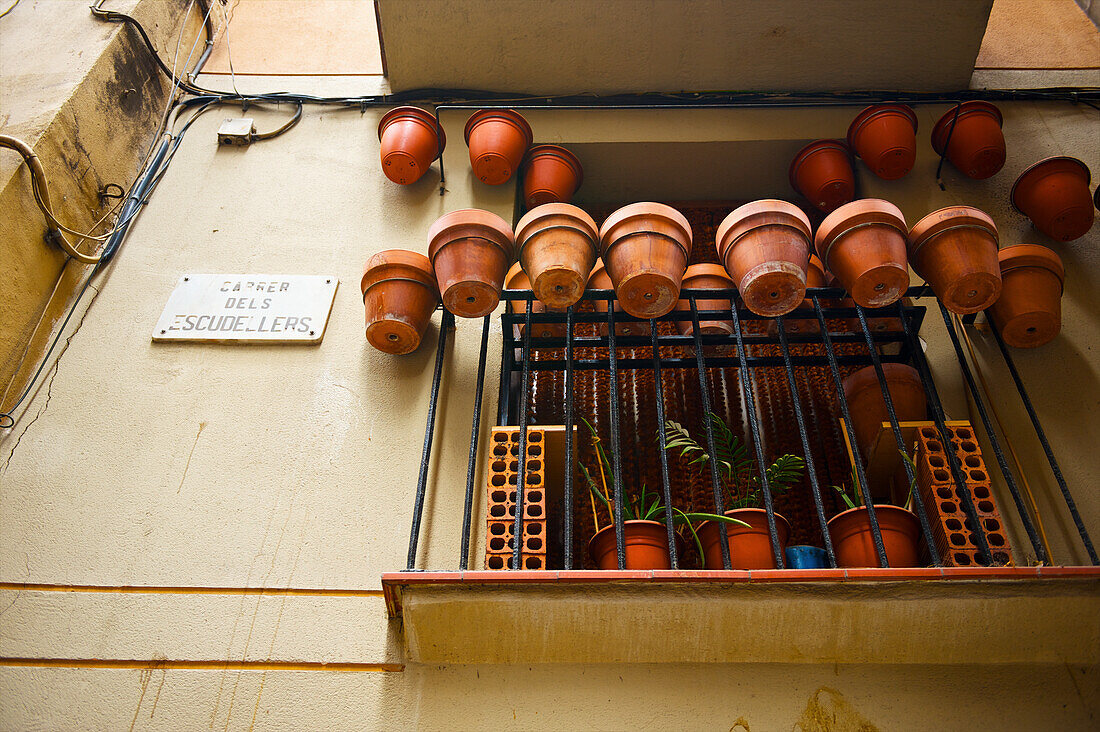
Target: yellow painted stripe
column 154, row 590
column 122, row 663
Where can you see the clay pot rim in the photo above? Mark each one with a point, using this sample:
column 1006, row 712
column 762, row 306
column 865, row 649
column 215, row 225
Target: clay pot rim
column 1035, row 171
column 476, row 217
column 632, row 522
column 932, row 225
column 705, row 269
column 732, row 513
column 585, row 224
column 556, row 151
column 420, row 115
column 415, row 268
column 858, row 213
column 890, row 508
column 867, row 377
column 816, row 263
column 1021, row 256
column 972, row 107
column 514, row 273
column 647, row 209
column 741, row 218
column 812, row 149
column 869, row 113
column 508, row 115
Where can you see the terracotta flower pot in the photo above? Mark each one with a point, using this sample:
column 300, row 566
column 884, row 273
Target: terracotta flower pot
column 750, row 547
column 558, row 244
column 705, row 277
column 854, row 544
column 410, row 141
column 977, row 145
column 517, row 279
column 470, row 251
column 399, row 297
column 1054, row 194
column 765, row 246
column 601, row 280
column 551, row 174
column 646, row 546
column 863, row 244
column 806, row 323
column 868, row 408
column 1028, row 314
column 498, row 139
column 955, row 250
column 885, row 136
column 822, row 172
column 875, row 325
column 646, row 248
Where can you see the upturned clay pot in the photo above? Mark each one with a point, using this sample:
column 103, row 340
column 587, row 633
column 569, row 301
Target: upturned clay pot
column 868, row 408
column 765, row 246
column 557, row 245
column 854, row 544
column 399, row 297
column 1028, row 314
column 1054, row 194
column 498, row 139
column 705, row 277
column 822, row 172
column 806, row 323
column 470, row 250
column 863, row 244
column 517, row 279
column 410, row 140
column 601, row 280
column 646, row 248
column 976, row 145
column 750, row 546
column 955, row 250
column 646, row 546
column 551, row 174
column 874, row 324
column 885, row 136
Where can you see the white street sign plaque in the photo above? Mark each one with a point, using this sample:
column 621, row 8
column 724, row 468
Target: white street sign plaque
column 247, row 308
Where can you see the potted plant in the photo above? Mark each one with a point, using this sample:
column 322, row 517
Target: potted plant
column 410, row 140
column 551, row 174
column 955, row 250
column 645, row 532
column 863, row 244
column 399, row 297
column 498, row 139
column 885, row 136
column 646, row 248
column 853, row 540
column 470, row 251
column 749, row 539
column 1028, row 314
column 557, row 245
column 1054, row 194
column 822, row 172
column 971, row 134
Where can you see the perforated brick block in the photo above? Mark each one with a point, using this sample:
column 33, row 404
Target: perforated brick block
column 501, row 500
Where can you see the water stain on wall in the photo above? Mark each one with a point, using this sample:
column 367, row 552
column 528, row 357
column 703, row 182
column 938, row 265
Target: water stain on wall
column 828, row 711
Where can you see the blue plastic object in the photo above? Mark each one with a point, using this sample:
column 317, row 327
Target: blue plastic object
column 806, row 557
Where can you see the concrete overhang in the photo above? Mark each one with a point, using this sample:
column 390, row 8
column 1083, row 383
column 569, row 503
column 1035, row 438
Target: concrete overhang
column 1014, row 615
column 620, row 46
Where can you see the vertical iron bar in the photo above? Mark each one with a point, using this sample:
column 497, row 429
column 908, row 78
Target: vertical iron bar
column 521, row 467
column 1085, row 538
column 507, row 356
column 567, row 529
column 616, row 459
column 857, row 461
column 425, row 458
column 704, row 394
column 803, row 434
column 914, row 491
column 1010, row 480
column 748, row 387
column 665, row 485
column 475, row 433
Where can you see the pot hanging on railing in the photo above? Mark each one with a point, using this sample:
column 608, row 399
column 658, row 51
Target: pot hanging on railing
column 765, row 246
column 498, row 139
column 854, row 543
column 868, row 409
column 557, row 244
column 410, row 140
column 470, row 251
column 551, row 174
column 955, row 251
column 645, row 247
column 399, row 297
column 971, row 133
column 601, row 280
column 885, row 137
column 705, row 277
column 822, row 172
column 1028, row 314
column 750, row 546
column 1054, row 194
column 863, row 244
column 646, row 546
column 517, row 279
column 806, row 323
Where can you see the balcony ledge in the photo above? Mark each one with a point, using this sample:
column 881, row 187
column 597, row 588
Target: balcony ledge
column 971, row 615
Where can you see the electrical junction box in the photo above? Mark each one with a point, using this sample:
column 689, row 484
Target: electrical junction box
column 236, row 131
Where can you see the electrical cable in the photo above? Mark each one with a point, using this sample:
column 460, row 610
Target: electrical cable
column 10, row 8
column 275, row 133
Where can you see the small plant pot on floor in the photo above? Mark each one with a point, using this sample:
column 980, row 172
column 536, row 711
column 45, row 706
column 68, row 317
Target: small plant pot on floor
column 955, row 250
column 551, row 174
column 1028, row 314
column 971, row 133
column 1054, row 194
column 765, row 246
column 885, row 137
column 399, row 297
column 599, row 279
column 863, row 244
column 645, row 247
column 498, row 139
column 470, row 251
column 646, row 546
column 750, row 546
column 557, row 245
column 854, row 543
column 822, row 172
column 517, row 279
column 705, row 277
column 867, row 407
column 410, row 140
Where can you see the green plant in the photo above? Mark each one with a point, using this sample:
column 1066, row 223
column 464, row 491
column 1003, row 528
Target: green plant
column 734, row 463
column 853, row 497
